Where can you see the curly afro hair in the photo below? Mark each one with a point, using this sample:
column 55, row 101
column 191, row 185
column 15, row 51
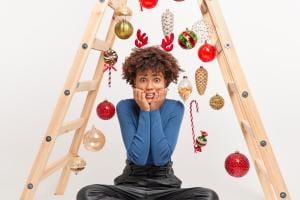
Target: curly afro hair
column 154, row 58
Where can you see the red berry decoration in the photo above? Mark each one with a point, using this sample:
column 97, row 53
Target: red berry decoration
column 237, row 164
column 207, row 52
column 148, row 3
column 187, row 39
column 105, row 110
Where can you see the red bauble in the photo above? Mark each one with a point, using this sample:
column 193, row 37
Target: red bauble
column 105, row 110
column 148, row 3
column 237, row 164
column 207, row 52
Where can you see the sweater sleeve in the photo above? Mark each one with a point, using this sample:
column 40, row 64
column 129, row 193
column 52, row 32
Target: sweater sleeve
column 136, row 136
column 163, row 139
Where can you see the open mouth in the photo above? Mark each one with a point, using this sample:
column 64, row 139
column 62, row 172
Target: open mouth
column 149, row 95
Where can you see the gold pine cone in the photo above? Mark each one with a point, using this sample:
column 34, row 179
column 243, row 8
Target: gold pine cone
column 201, row 77
column 216, row 102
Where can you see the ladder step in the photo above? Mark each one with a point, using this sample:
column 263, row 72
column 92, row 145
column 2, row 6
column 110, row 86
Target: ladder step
column 231, row 87
column 86, row 86
column 56, row 165
column 70, row 126
column 246, row 127
column 113, row 4
column 100, row 45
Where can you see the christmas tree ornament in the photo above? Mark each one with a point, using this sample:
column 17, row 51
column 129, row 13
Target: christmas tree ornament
column 237, row 164
column 187, row 39
column 216, row 102
column 200, row 141
column 201, row 76
column 141, row 39
column 207, row 52
column 110, row 59
column 203, row 31
column 184, row 88
column 167, row 22
column 123, row 29
column 123, row 11
column 147, row 4
column 76, row 164
column 105, row 110
column 93, row 140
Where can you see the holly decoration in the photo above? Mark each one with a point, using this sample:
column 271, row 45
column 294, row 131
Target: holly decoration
column 105, row 110
column 237, row 164
column 187, row 39
column 110, row 59
column 207, row 52
column 148, row 4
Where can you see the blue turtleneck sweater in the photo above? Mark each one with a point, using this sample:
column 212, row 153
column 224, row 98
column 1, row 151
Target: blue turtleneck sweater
column 150, row 137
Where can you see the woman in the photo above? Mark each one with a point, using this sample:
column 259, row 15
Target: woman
column 150, row 125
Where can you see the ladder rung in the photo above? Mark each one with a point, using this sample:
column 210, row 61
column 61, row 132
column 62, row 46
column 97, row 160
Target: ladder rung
column 56, row 165
column 113, row 4
column 203, row 7
column 70, row 126
column 218, row 46
column 86, row 86
column 231, row 87
column 100, row 45
column 246, row 127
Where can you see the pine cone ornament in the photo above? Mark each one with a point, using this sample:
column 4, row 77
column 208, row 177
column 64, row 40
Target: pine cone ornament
column 201, row 77
column 167, row 22
column 216, row 102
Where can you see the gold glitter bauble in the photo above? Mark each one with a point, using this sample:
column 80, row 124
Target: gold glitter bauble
column 184, row 88
column 201, row 76
column 216, row 102
column 123, row 29
column 76, row 164
column 94, row 140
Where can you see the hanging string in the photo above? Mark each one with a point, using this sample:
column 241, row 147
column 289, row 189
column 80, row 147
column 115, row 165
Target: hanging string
column 197, row 148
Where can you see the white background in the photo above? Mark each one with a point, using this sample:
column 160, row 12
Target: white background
column 38, row 43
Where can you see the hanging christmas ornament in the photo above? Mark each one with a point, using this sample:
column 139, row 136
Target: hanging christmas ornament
column 207, row 52
column 110, row 59
column 201, row 140
column 93, row 140
column 105, row 110
column 216, row 102
column 201, row 77
column 237, row 164
column 147, row 4
column 203, row 31
column 187, row 39
column 167, row 22
column 123, row 29
column 76, row 164
column 184, row 88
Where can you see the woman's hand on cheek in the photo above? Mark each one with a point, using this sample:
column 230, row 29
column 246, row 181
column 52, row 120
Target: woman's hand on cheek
column 159, row 98
column 140, row 99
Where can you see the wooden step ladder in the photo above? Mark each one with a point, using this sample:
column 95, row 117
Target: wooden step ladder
column 259, row 146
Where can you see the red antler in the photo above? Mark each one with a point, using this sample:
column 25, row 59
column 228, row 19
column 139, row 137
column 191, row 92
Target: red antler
column 142, row 39
column 166, row 43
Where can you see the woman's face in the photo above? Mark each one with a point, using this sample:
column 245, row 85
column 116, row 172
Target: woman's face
column 150, row 82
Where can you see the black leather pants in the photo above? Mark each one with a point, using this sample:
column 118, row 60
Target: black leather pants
column 145, row 183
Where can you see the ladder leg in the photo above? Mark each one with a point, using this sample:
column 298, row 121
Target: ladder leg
column 243, row 102
column 87, row 107
column 60, row 110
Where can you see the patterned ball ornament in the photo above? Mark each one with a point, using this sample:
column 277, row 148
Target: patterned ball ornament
column 187, row 39
column 105, row 110
column 216, row 102
column 93, row 140
column 237, row 164
column 207, row 52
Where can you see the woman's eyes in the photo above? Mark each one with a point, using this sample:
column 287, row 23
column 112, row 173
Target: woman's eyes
column 156, row 80
column 142, row 80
